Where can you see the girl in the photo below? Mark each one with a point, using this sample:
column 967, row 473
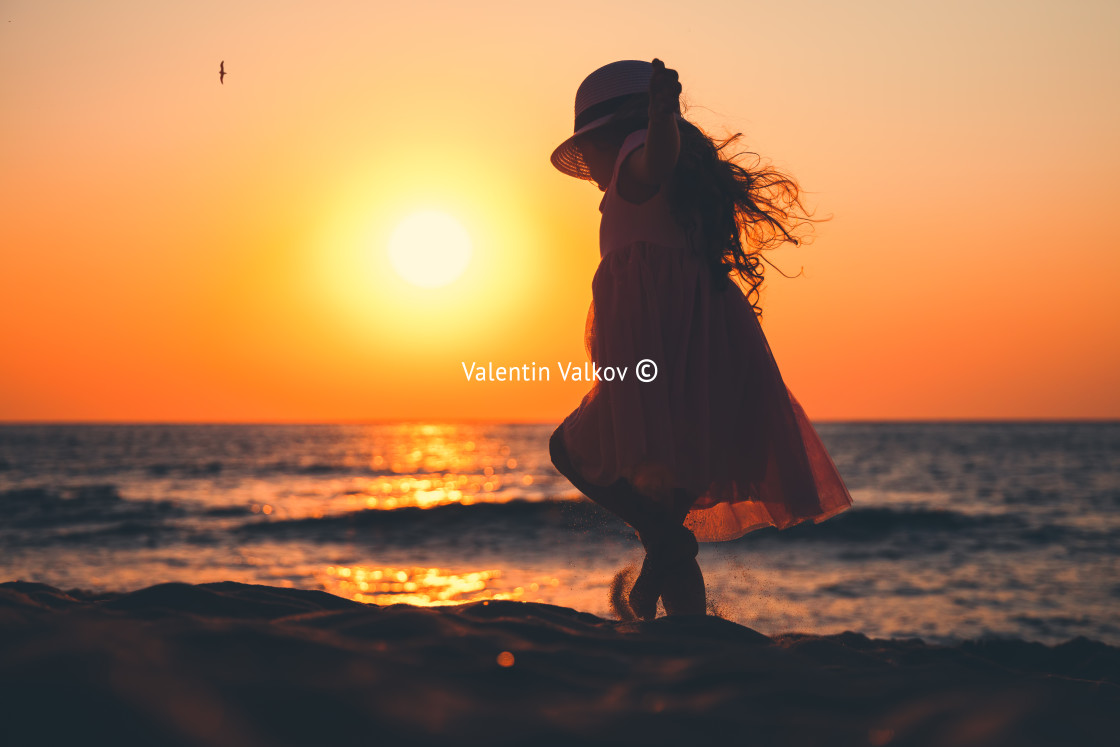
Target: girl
column 713, row 445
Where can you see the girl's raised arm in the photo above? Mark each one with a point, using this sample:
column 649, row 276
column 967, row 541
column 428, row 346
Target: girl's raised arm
column 654, row 164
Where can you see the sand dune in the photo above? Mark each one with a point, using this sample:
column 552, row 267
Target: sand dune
column 236, row 664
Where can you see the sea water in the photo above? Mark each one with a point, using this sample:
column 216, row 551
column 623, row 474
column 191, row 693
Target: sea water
column 958, row 530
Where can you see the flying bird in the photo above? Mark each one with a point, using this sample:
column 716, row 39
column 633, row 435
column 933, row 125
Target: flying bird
column 222, row 73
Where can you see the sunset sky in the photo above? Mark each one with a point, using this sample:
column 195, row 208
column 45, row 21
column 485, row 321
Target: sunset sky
column 176, row 249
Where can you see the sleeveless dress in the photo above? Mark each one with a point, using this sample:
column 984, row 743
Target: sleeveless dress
column 717, row 419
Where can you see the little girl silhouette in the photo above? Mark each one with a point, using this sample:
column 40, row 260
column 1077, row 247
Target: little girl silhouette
column 715, row 445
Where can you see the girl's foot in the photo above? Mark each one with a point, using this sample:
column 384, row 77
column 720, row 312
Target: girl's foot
column 646, row 591
column 666, row 553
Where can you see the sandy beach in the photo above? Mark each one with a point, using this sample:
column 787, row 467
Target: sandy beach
column 239, row 664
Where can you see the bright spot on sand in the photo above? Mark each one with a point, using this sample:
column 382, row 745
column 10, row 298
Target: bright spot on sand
column 430, row 249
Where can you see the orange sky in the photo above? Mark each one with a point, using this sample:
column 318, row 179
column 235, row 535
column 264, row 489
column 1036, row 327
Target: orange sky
column 173, row 249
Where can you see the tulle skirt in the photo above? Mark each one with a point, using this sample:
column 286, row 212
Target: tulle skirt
column 717, row 420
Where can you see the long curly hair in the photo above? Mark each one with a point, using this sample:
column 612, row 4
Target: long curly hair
column 739, row 208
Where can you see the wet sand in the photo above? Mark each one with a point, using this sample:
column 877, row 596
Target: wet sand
column 237, row 664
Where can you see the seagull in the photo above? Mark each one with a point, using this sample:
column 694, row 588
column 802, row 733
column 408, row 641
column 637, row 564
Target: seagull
column 222, row 73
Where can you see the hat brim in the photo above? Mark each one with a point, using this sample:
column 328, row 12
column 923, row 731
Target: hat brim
column 567, row 158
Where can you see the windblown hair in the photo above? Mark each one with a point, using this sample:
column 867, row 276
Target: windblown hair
column 739, row 209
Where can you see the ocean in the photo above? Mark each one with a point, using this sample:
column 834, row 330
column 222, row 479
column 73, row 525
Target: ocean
column 958, row 530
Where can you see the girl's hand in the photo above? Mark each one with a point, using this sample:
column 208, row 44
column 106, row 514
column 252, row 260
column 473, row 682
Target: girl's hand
column 664, row 91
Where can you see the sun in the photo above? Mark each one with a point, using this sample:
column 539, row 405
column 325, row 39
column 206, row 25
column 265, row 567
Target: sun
column 430, row 249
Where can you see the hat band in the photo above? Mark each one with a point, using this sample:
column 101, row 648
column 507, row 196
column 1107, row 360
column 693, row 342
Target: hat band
column 602, row 109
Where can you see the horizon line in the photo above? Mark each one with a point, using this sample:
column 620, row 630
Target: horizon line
column 469, row 421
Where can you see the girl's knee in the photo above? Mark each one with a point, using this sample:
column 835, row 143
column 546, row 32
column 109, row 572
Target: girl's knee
column 668, row 544
column 556, row 451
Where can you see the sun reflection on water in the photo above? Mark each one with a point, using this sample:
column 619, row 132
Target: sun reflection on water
column 383, row 467
column 426, row 587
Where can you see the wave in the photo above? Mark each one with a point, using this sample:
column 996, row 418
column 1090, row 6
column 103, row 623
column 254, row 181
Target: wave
column 513, row 516
column 879, row 530
column 213, row 467
column 80, row 513
column 864, row 523
column 270, row 469
column 193, row 469
column 39, row 508
column 98, row 513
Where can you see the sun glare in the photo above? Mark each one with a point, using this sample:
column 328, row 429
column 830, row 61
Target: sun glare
column 430, row 249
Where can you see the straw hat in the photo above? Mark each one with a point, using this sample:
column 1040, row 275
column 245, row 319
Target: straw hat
column 598, row 97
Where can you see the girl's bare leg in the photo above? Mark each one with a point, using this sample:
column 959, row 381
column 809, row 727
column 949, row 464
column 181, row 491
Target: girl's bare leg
column 620, row 498
column 683, row 592
column 681, row 582
column 666, row 551
column 670, row 548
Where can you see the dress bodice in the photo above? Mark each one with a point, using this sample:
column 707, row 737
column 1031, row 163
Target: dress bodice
column 625, row 223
